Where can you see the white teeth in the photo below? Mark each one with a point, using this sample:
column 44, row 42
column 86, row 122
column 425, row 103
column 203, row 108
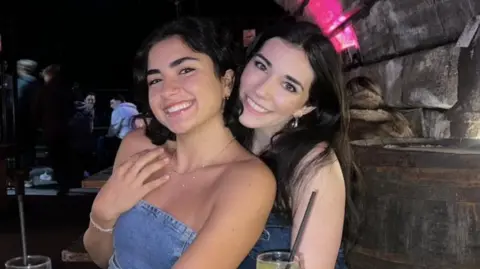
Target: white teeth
column 178, row 107
column 255, row 106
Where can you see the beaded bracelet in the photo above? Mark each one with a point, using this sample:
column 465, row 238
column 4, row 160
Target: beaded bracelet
column 98, row 227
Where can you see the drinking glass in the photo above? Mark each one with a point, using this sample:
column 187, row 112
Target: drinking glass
column 33, row 262
column 277, row 260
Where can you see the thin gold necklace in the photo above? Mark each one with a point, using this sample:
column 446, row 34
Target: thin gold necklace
column 205, row 164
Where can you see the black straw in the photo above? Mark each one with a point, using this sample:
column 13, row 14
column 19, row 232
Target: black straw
column 22, row 229
column 301, row 229
column 20, row 192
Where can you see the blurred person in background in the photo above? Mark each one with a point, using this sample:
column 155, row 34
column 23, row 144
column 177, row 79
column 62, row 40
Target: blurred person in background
column 81, row 135
column 54, row 109
column 122, row 116
column 25, row 71
column 90, row 101
column 91, row 98
column 27, row 88
column 85, row 108
column 8, row 79
column 121, row 123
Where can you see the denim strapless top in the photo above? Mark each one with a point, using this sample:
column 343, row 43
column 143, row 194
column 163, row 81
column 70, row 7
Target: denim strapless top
column 146, row 237
column 277, row 236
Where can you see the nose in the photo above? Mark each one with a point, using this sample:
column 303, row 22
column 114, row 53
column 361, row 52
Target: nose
column 170, row 87
column 265, row 88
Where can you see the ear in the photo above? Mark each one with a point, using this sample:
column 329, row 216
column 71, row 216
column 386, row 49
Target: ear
column 227, row 82
column 303, row 111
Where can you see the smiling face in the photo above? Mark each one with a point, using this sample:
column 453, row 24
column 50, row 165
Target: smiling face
column 275, row 85
column 184, row 91
column 90, row 99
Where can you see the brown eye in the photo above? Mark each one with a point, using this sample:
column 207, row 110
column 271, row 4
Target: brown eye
column 260, row 65
column 154, row 81
column 289, row 87
column 186, row 70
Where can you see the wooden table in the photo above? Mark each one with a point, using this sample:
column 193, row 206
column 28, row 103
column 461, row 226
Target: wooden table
column 96, row 181
column 76, row 252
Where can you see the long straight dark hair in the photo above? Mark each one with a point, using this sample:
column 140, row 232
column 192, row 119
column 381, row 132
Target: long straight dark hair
column 328, row 124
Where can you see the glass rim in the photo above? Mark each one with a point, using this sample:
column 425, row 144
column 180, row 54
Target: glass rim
column 46, row 260
column 261, row 255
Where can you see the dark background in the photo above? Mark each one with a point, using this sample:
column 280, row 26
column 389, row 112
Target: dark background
column 95, row 40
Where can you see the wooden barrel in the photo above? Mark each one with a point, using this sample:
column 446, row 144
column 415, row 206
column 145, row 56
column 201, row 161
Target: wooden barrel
column 423, row 204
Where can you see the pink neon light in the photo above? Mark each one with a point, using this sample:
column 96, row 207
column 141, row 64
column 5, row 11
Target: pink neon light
column 328, row 14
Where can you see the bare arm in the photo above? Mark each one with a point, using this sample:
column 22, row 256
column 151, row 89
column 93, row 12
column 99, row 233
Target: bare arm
column 237, row 220
column 99, row 245
column 323, row 233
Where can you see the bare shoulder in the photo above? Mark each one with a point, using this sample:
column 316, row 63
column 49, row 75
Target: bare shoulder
column 328, row 162
column 324, row 175
column 323, row 235
column 327, row 175
column 136, row 136
column 135, row 142
column 250, row 175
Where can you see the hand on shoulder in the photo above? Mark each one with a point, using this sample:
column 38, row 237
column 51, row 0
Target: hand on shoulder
column 136, row 141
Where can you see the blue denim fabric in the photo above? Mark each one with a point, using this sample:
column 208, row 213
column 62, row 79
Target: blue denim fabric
column 148, row 238
column 276, row 236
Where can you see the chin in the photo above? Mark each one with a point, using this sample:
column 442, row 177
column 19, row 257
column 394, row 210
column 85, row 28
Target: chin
column 178, row 126
column 250, row 122
column 179, row 129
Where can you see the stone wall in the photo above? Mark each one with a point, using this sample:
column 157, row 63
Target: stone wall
column 408, row 47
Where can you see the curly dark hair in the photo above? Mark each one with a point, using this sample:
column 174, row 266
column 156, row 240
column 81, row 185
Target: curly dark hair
column 201, row 35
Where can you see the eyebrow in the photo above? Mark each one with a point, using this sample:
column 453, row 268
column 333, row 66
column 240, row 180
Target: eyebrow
column 259, row 55
column 288, row 77
column 173, row 64
column 294, row 81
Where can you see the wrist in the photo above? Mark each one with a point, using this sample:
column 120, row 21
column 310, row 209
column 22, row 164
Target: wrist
column 102, row 226
column 105, row 221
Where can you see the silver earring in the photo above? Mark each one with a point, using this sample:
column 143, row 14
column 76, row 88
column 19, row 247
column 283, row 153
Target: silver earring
column 295, row 122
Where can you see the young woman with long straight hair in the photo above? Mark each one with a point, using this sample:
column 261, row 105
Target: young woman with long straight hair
column 293, row 103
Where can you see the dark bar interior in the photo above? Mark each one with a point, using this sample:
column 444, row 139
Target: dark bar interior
column 408, row 98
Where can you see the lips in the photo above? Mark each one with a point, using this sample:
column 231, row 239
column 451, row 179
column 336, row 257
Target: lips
column 253, row 106
column 178, row 108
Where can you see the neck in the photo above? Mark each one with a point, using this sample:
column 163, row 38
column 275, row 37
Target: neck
column 262, row 138
column 202, row 146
